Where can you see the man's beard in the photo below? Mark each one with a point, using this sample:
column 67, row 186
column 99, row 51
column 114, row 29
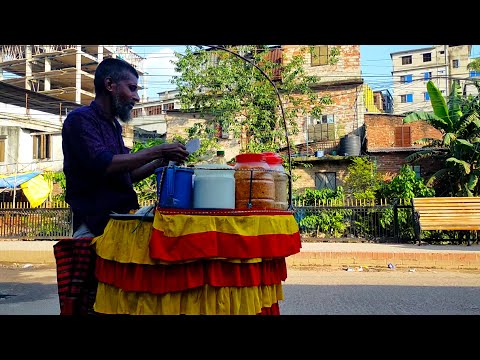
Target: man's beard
column 122, row 110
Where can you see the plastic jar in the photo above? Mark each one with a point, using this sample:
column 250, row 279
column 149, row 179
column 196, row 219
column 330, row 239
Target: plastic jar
column 214, row 187
column 275, row 162
column 254, row 184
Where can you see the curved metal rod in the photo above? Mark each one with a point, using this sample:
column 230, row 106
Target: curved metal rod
column 290, row 204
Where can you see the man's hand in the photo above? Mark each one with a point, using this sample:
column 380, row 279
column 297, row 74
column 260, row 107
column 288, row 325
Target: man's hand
column 173, row 152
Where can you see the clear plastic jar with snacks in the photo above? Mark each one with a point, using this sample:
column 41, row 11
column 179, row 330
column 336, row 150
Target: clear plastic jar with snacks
column 254, row 183
column 280, row 177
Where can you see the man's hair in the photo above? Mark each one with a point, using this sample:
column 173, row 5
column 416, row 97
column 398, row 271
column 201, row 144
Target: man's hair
column 117, row 69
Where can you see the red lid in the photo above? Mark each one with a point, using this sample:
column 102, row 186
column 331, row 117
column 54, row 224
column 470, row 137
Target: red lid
column 273, row 159
column 249, row 157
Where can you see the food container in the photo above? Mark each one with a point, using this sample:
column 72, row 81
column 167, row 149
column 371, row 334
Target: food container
column 175, row 187
column 275, row 162
column 214, row 187
column 254, row 184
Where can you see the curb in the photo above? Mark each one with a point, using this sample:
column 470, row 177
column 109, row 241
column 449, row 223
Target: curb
column 27, row 252
column 428, row 260
column 335, row 255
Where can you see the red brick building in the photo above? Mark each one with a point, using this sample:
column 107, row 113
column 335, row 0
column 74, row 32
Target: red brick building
column 389, row 141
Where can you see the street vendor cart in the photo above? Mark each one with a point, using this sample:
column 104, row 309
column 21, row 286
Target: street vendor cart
column 182, row 260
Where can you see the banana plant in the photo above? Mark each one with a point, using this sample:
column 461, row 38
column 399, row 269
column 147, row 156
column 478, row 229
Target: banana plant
column 457, row 118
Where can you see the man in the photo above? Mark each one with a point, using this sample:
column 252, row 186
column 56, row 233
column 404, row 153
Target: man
column 99, row 169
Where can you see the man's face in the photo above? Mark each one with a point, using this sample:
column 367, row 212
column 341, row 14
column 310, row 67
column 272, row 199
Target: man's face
column 124, row 96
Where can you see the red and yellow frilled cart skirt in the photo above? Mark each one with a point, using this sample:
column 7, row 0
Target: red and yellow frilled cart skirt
column 228, row 262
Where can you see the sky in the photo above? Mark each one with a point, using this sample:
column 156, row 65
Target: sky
column 375, row 62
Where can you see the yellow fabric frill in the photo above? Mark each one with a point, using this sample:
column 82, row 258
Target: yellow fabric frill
column 175, row 225
column 205, row 300
column 127, row 241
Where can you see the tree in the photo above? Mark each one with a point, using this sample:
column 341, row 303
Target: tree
column 459, row 121
column 230, row 92
column 146, row 189
column 405, row 186
column 362, row 179
column 474, row 65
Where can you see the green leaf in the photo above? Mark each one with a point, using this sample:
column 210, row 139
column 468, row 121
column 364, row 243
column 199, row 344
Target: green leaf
column 448, row 138
column 419, row 155
column 454, row 103
column 428, row 117
column 472, row 181
column 439, row 105
column 466, row 166
column 465, row 142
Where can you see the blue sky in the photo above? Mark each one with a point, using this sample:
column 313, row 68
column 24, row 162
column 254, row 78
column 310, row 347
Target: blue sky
column 375, row 62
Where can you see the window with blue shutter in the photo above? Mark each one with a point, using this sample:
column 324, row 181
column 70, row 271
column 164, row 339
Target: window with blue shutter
column 406, row 79
column 406, row 98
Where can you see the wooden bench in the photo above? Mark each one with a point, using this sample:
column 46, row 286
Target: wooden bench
column 446, row 213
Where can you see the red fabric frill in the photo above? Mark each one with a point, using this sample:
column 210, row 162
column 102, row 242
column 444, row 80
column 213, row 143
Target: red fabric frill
column 273, row 310
column 215, row 244
column 160, row 279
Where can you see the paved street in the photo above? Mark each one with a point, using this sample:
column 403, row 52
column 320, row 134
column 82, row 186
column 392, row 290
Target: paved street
column 32, row 290
column 28, row 290
column 386, row 292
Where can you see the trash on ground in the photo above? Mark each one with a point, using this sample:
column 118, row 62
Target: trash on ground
column 412, row 270
column 359, row 268
column 391, row 266
column 26, row 266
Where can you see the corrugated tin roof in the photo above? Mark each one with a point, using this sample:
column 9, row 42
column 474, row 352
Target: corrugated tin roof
column 13, row 181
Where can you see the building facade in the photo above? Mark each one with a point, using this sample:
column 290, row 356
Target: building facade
column 412, row 69
column 390, row 141
column 345, row 116
column 39, row 85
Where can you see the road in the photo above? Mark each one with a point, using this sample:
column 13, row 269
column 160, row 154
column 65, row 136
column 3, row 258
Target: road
column 33, row 291
column 385, row 292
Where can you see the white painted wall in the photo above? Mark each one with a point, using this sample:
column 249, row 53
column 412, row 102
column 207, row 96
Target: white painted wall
column 18, row 129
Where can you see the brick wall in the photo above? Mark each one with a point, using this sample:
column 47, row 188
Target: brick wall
column 391, row 163
column 338, row 81
column 348, row 116
column 380, row 130
column 348, row 65
column 380, row 139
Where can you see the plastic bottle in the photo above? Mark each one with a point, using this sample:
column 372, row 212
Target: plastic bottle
column 280, row 178
column 254, row 184
column 220, row 158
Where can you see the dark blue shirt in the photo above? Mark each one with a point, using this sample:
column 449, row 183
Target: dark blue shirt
column 90, row 139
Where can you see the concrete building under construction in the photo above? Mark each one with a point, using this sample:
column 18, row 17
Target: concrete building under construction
column 64, row 72
column 39, row 85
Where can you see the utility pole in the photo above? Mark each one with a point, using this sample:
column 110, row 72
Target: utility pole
column 446, row 70
column 15, row 184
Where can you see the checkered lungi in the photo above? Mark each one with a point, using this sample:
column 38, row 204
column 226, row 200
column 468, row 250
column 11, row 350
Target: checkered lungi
column 77, row 285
